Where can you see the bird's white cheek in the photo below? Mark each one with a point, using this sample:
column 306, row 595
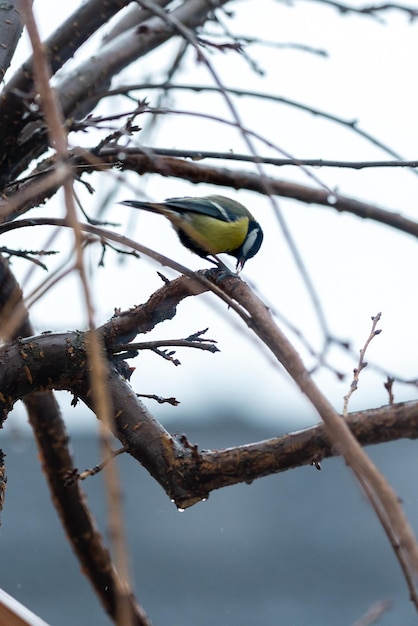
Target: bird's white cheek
column 250, row 241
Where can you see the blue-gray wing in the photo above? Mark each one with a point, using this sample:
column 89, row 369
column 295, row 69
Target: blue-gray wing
column 205, row 206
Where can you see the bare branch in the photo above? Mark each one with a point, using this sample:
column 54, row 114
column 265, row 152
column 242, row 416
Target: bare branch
column 125, row 611
column 52, row 441
column 371, row 9
column 352, row 125
column 200, row 155
column 177, row 343
column 361, row 363
column 61, row 46
column 3, row 481
column 241, row 179
column 81, row 86
column 11, row 28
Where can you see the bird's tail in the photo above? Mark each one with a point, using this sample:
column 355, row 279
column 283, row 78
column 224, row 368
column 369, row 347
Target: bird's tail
column 152, row 207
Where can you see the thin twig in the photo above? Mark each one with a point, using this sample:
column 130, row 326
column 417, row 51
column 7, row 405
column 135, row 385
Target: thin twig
column 371, row 9
column 361, row 363
column 200, row 155
column 98, row 468
column 351, row 124
column 374, row 614
column 176, row 343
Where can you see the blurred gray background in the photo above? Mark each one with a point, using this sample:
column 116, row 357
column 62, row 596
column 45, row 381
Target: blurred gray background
column 302, row 547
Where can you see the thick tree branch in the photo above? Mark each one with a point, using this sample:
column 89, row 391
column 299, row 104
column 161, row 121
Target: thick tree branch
column 240, row 179
column 53, row 445
column 16, row 95
column 60, row 361
column 11, row 28
column 81, row 86
column 380, row 495
column 31, row 192
column 187, row 476
column 133, row 159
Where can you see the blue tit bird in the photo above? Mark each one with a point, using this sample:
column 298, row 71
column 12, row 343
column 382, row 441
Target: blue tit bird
column 210, row 225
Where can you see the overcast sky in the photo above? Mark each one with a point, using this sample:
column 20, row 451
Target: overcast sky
column 358, row 268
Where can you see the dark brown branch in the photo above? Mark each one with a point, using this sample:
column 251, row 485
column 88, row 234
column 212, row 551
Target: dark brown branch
column 197, row 173
column 80, row 87
column 71, row 504
column 53, row 445
column 176, row 464
column 381, row 496
column 11, row 28
column 3, row 481
column 219, row 468
column 239, row 179
column 60, row 47
column 188, row 477
column 185, row 475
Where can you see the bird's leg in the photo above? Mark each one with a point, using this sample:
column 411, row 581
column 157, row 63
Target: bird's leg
column 221, row 265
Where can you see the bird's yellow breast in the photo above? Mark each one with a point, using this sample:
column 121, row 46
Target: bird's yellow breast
column 213, row 235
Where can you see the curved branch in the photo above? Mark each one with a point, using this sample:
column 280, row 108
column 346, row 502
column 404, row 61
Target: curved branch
column 350, row 124
column 381, row 496
column 186, row 474
column 44, row 185
column 59, row 361
column 52, row 441
column 60, row 47
column 81, row 86
column 241, row 179
column 71, row 504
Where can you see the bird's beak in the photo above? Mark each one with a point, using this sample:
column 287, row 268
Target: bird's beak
column 240, row 264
